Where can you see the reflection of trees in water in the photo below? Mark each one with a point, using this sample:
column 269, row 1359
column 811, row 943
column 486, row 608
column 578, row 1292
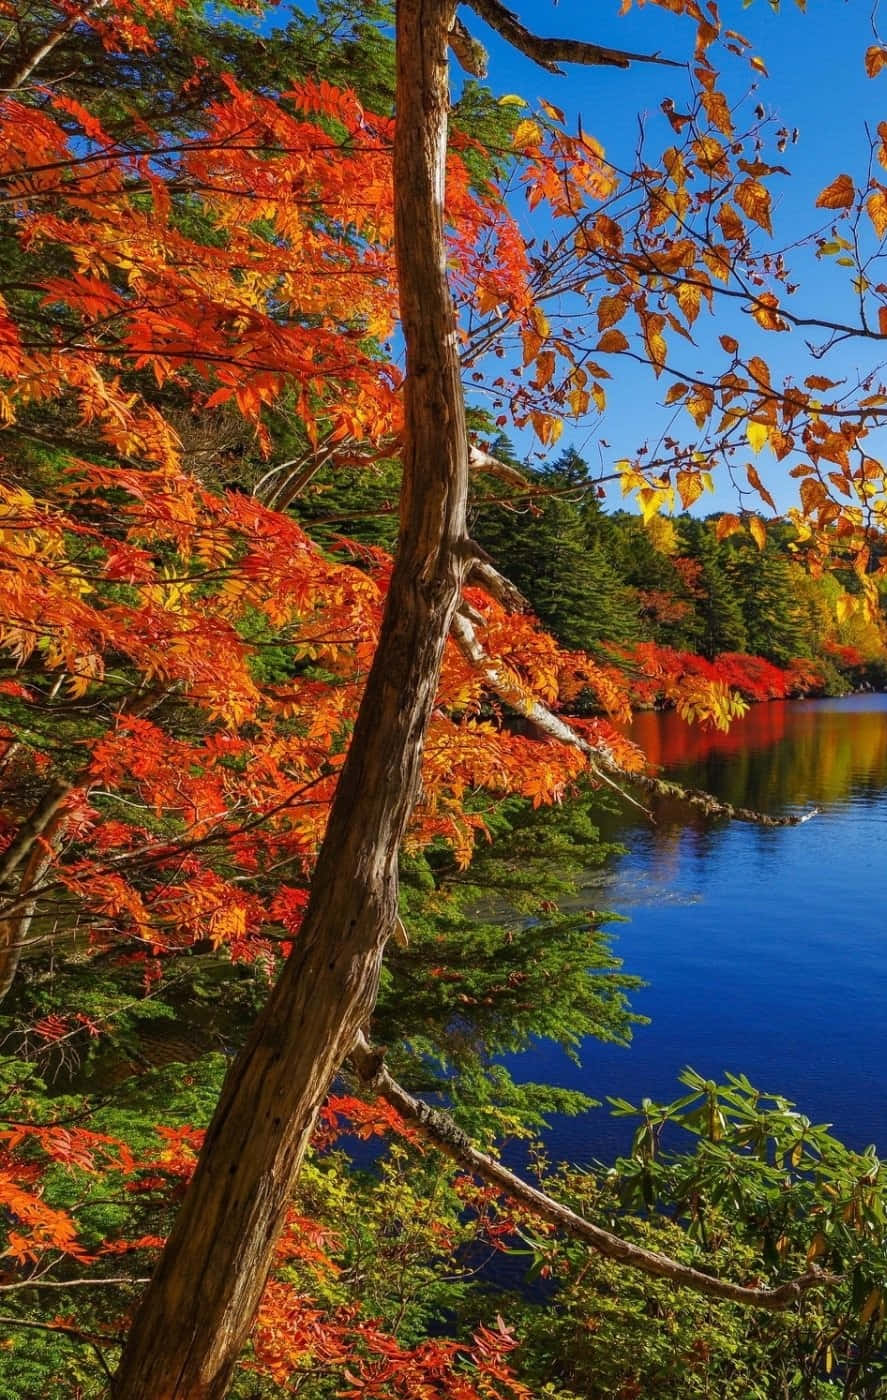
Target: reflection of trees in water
column 780, row 754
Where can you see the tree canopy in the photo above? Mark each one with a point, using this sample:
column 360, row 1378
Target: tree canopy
column 288, row 630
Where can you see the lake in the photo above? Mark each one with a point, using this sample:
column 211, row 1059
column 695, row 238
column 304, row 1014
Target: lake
column 764, row 950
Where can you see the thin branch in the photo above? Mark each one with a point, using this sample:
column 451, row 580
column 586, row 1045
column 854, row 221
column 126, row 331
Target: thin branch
column 444, row 1133
column 602, row 764
column 480, row 461
column 31, row 61
column 33, row 827
column 70, row 1283
column 548, row 53
column 92, row 1338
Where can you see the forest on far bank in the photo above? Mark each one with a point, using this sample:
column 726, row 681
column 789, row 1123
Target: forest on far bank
column 659, row 600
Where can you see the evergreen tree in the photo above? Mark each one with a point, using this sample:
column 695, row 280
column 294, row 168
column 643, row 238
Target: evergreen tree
column 548, row 550
column 722, row 625
column 762, row 582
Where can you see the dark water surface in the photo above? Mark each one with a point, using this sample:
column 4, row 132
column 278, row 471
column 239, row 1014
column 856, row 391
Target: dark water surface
column 765, row 950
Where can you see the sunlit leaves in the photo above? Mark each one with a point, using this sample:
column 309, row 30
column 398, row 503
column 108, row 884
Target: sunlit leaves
column 875, row 59
column 757, row 434
column 876, row 204
column 755, row 200
column 840, row 194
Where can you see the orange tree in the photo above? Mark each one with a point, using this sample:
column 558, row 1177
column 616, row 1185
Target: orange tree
column 204, row 707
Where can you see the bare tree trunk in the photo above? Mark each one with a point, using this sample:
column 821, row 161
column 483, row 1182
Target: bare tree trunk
column 198, row 1308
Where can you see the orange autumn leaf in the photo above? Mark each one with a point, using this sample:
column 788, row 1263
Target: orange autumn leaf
column 840, row 194
column 876, row 204
column 755, row 201
column 875, row 59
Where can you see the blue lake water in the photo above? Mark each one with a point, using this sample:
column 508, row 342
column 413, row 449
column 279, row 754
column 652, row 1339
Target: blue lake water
column 764, row 950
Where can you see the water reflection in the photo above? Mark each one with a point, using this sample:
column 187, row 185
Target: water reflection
column 783, row 754
column 764, row 949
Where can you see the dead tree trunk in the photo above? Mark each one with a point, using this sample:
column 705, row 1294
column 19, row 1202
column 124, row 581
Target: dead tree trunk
column 199, row 1305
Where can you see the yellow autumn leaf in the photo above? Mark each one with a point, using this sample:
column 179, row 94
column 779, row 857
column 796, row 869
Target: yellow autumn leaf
column 611, row 342
column 689, row 297
column 532, row 344
column 757, row 484
column 757, row 434
column 690, row 487
column 651, row 501
column 540, row 320
column 876, row 204
column 727, row 525
column 840, row 194
column 545, row 363
column 546, row 427
column 754, row 200
column 526, row 134
column 813, row 494
column 610, row 310
column 758, row 531
column 765, row 312
column 551, row 111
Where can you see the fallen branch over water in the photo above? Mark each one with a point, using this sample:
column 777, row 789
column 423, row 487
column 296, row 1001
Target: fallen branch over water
column 601, row 762
column 439, row 1129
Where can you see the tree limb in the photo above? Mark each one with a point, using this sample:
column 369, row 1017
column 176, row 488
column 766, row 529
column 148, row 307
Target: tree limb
column 445, row 1134
column 548, row 53
column 471, row 55
column 71, row 1283
column 26, row 66
column 604, row 767
column 34, row 826
column 480, row 461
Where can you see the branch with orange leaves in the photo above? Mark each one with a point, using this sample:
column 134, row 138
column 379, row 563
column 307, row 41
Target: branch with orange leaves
column 439, row 1129
column 602, row 764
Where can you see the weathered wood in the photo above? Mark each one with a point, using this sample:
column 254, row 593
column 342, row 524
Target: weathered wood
column 201, row 1301
column 444, row 1133
column 550, row 53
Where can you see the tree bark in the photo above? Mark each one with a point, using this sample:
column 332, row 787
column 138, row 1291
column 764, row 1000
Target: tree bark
column 198, row 1308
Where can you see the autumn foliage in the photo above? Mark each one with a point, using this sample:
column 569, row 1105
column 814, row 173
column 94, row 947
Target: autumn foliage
column 198, row 318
